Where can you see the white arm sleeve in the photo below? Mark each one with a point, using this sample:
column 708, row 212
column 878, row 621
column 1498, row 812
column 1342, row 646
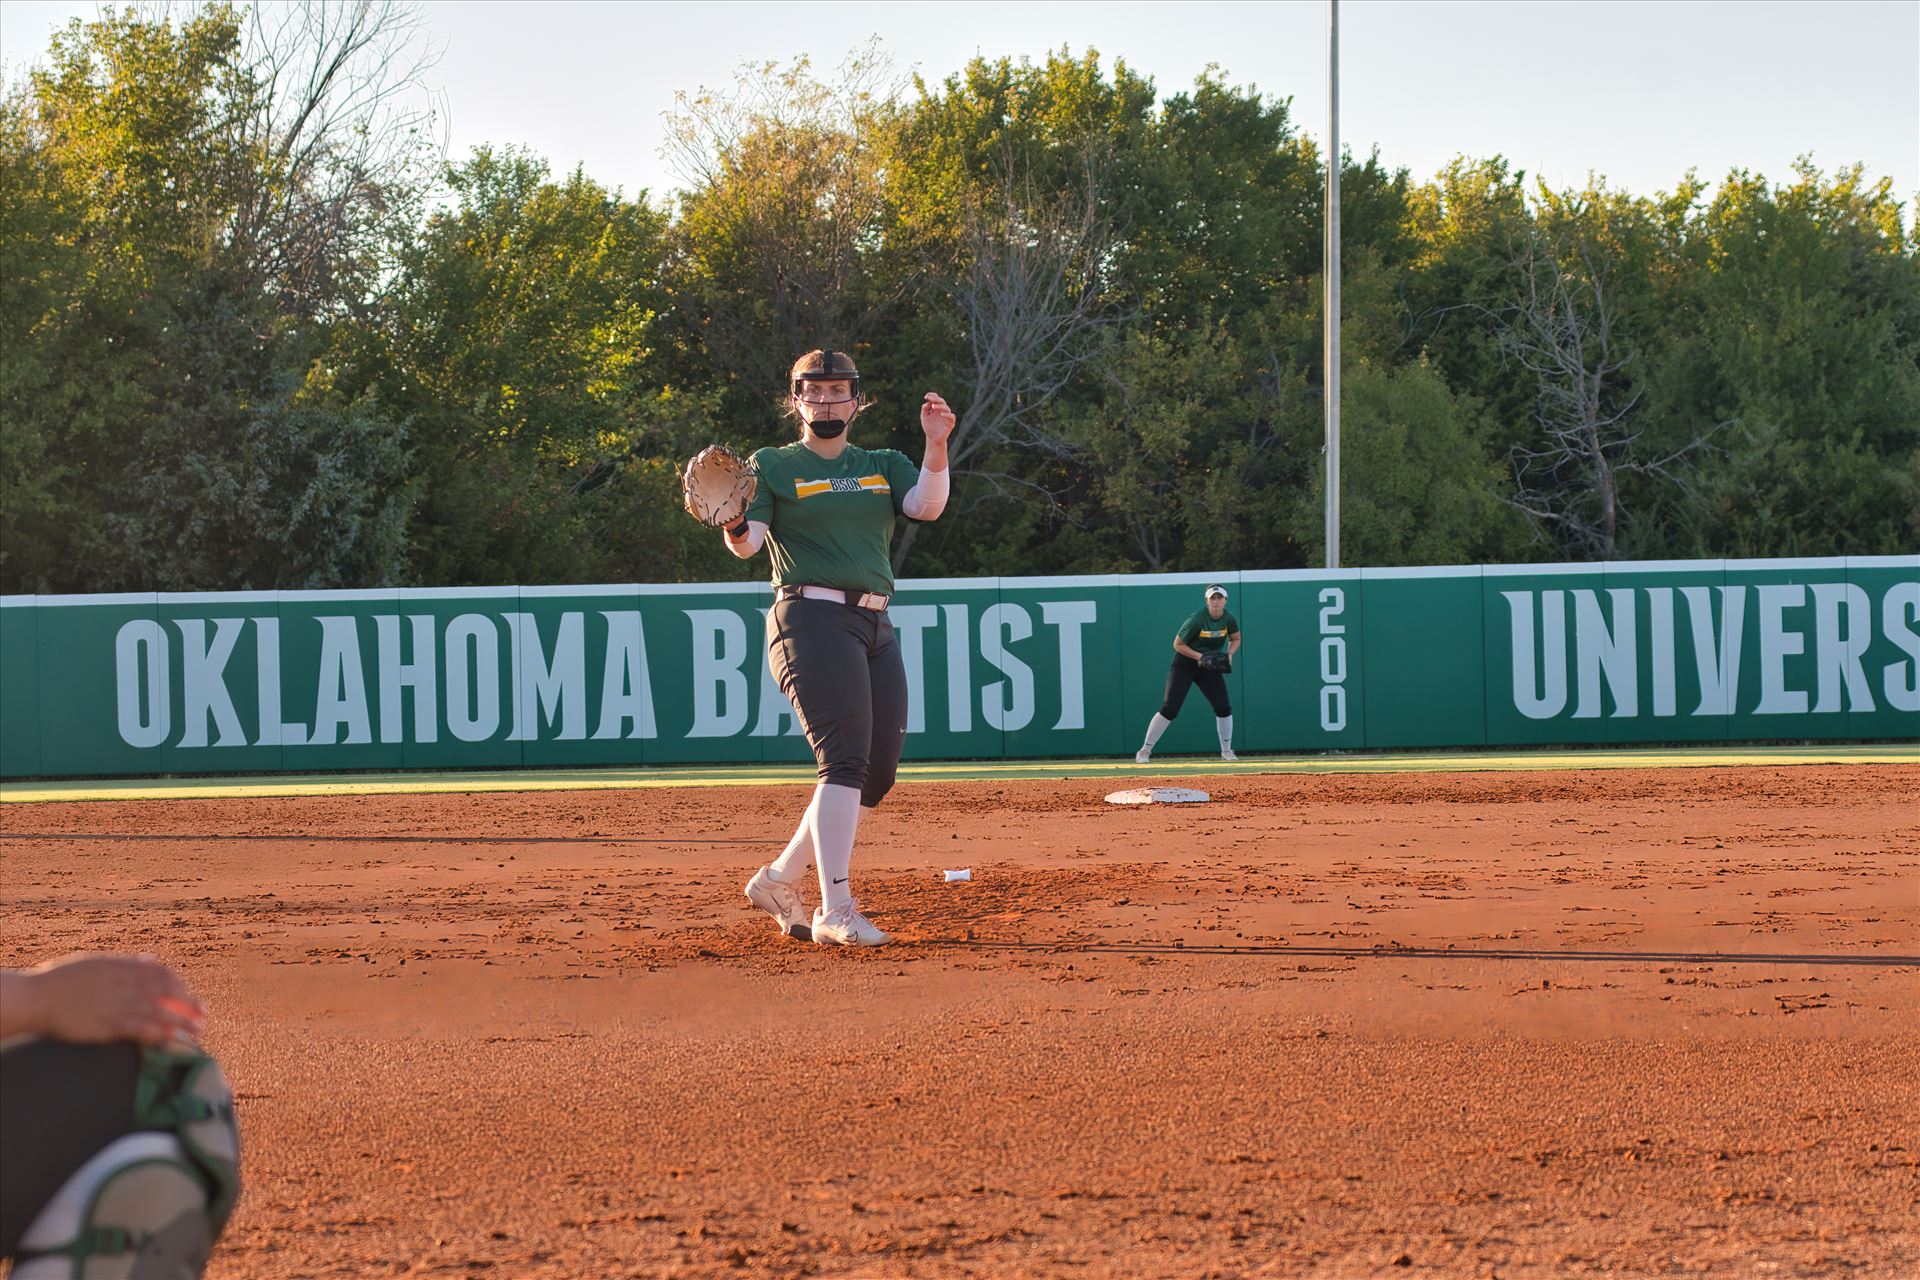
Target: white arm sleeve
column 747, row 546
column 928, row 498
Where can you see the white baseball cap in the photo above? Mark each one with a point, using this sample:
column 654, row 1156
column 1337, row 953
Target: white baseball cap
column 1216, row 590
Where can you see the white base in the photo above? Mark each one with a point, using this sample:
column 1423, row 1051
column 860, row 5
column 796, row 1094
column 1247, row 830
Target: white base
column 1159, row 795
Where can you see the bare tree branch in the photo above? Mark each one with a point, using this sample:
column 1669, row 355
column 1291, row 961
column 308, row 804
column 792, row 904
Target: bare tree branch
column 341, row 131
column 1560, row 326
column 1034, row 301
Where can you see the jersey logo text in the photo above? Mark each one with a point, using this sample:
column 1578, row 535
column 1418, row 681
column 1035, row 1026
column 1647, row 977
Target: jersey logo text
column 851, row 484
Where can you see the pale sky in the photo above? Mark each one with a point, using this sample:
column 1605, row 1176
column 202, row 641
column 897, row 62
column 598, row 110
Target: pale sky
column 1637, row 91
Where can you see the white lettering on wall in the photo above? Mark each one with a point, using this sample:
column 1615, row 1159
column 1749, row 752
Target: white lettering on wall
column 1716, row 659
column 422, row 675
column 1576, row 654
column 1532, row 700
column 340, row 696
column 1660, row 619
column 774, row 705
column 1069, row 616
column 1007, row 704
column 1839, row 644
column 1777, row 644
column 145, row 704
column 557, row 689
column 1333, row 660
column 1899, row 611
column 273, row 732
column 472, row 648
column 959, row 669
column 910, row 622
column 719, row 683
column 1609, row 650
column 203, row 681
column 626, row 687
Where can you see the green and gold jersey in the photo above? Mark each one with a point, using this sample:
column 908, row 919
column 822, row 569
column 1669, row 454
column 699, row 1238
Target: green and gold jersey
column 830, row 524
column 1204, row 633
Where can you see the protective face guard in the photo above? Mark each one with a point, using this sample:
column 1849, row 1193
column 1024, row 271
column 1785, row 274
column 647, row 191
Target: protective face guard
column 828, row 427
column 828, row 374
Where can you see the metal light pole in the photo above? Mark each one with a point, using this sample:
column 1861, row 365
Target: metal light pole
column 1332, row 274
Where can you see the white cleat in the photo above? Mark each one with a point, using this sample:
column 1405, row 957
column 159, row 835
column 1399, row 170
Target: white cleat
column 847, row 928
column 1226, row 753
column 1143, row 755
column 781, row 901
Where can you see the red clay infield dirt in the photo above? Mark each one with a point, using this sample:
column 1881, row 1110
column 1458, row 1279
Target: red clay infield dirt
column 1625, row 1023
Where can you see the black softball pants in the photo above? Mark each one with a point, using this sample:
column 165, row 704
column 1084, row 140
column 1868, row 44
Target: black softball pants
column 1183, row 675
column 60, row 1105
column 840, row 666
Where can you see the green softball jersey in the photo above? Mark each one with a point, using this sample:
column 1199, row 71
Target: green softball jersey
column 1204, row 633
column 830, row 523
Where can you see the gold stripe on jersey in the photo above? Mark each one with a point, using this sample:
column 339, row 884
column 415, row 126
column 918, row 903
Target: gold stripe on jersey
column 849, row 484
column 1215, row 635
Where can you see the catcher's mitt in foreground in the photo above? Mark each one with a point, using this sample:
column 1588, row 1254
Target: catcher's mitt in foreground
column 1216, row 661
column 717, row 485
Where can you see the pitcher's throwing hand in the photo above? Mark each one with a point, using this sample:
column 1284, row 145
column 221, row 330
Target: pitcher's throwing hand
column 936, row 419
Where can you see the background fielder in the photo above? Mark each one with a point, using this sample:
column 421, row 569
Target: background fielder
column 1203, row 652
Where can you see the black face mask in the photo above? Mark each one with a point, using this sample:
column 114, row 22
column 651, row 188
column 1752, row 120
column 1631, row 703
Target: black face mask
column 828, row 428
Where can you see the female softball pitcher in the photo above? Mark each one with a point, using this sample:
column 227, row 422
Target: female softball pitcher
column 825, row 509
column 1203, row 652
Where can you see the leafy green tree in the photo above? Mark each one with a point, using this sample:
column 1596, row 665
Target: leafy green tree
column 1010, row 188
column 1415, row 488
column 1760, row 397
column 1191, row 450
column 168, row 420
column 1471, row 223
column 237, row 349
column 1799, row 323
column 520, row 343
column 39, row 268
column 782, row 235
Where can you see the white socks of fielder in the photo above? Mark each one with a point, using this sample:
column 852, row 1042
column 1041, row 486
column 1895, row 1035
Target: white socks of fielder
column 798, row 855
column 1157, row 726
column 833, row 819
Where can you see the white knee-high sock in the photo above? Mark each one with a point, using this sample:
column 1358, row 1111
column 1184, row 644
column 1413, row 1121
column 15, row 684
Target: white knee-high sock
column 795, row 858
column 835, row 819
column 1225, row 725
column 1156, row 726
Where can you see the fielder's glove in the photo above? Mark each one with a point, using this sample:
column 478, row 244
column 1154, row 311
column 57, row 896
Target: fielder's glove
column 717, row 485
column 1216, row 660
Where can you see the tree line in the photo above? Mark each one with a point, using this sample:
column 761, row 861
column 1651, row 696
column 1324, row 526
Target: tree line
column 256, row 331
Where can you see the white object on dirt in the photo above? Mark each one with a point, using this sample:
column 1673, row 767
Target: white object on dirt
column 954, row 877
column 1159, row 795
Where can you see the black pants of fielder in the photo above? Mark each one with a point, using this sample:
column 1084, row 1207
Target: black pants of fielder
column 840, row 667
column 1186, row 673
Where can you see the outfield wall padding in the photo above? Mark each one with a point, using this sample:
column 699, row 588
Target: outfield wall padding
column 1578, row 654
